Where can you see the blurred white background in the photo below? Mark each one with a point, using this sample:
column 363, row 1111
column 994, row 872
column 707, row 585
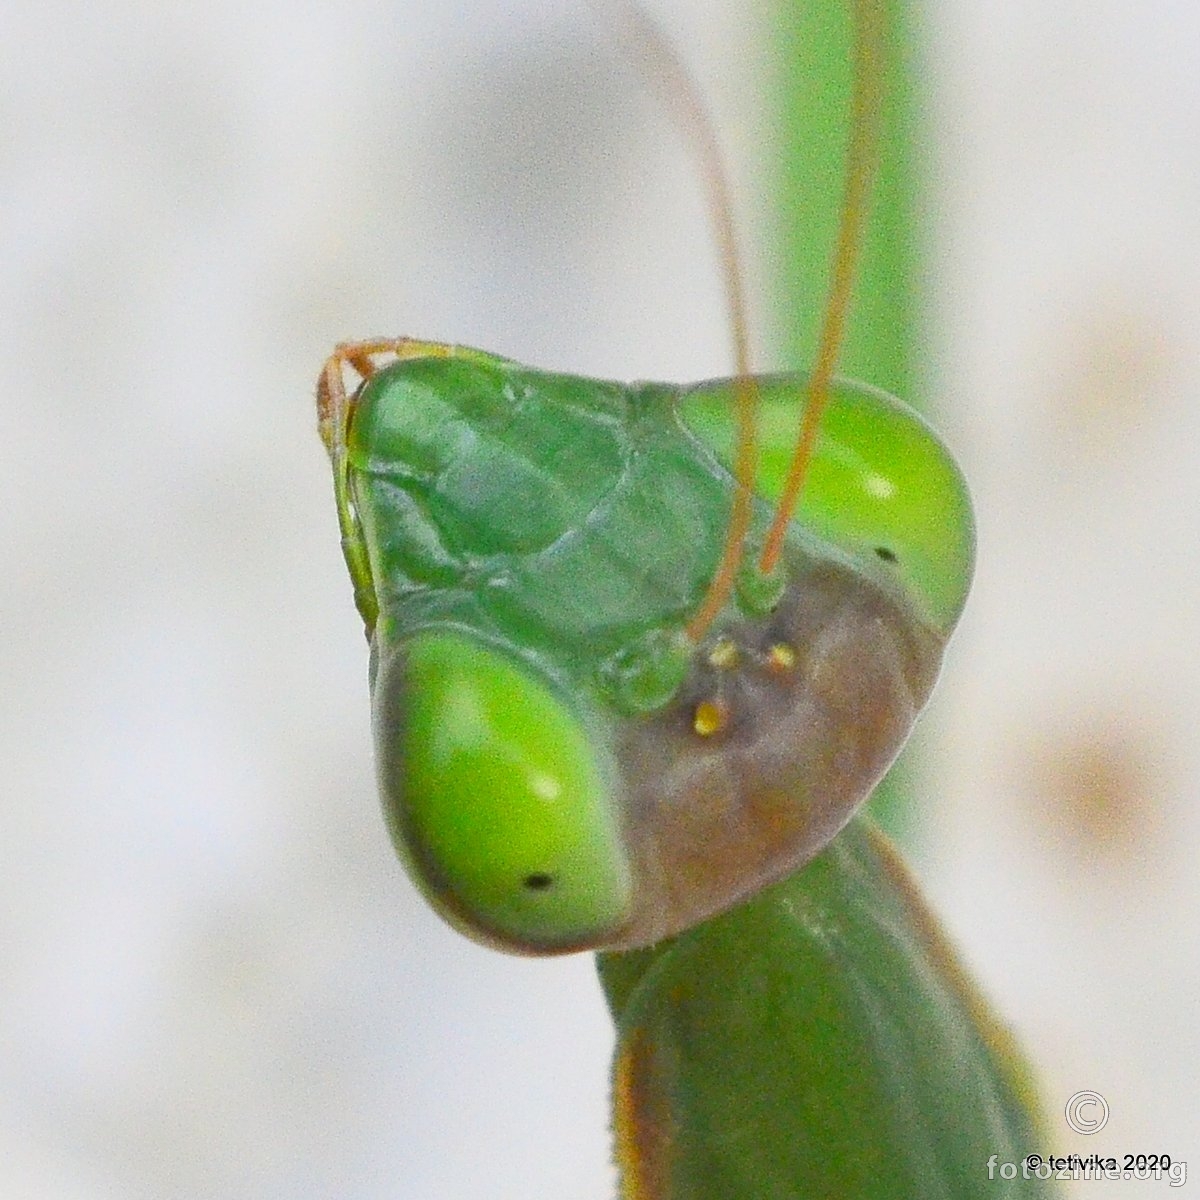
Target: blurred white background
column 214, row 979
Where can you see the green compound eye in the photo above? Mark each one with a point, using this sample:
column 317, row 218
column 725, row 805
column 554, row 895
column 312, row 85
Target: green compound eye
column 881, row 486
column 494, row 797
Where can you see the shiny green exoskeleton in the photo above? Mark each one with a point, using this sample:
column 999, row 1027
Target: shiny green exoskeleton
column 592, row 731
column 561, row 767
column 819, row 1040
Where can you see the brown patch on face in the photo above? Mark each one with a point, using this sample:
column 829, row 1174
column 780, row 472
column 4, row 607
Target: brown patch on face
column 641, row 1121
column 759, row 760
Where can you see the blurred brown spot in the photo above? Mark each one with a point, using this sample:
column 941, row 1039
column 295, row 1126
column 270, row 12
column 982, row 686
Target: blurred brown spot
column 1101, row 785
column 1115, row 360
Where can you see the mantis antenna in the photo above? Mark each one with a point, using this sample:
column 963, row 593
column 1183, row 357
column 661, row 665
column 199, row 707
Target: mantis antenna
column 662, row 66
column 664, row 70
column 866, row 111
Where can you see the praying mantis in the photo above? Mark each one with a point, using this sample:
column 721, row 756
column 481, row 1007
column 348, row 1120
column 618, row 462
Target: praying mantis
column 600, row 725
